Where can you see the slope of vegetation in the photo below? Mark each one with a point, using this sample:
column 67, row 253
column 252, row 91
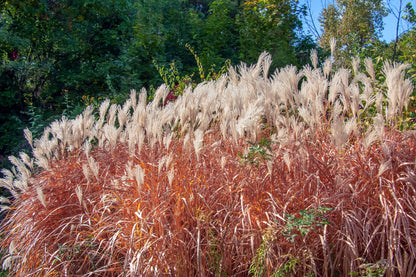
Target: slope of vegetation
column 307, row 172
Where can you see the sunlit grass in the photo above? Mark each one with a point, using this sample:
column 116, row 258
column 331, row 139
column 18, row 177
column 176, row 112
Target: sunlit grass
column 300, row 173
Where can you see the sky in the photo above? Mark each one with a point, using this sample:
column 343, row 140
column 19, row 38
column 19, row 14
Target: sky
column 389, row 32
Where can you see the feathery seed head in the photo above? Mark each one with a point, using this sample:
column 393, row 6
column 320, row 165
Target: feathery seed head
column 339, row 132
column 386, row 165
column 94, row 167
column 161, row 164
column 4, row 203
column 355, row 99
column 41, row 196
column 78, row 192
column 398, row 88
column 171, row 175
column 379, row 102
column 198, row 142
column 379, row 126
column 19, row 165
column 123, row 113
column 28, row 136
column 168, row 160
column 167, row 140
column 86, row 171
column 355, row 65
column 87, row 122
column 287, row 159
column 41, row 160
column 141, row 136
column 111, row 133
column 26, row 160
column 256, row 70
column 133, row 98
column 103, row 108
column 87, row 148
column 266, row 66
column 186, row 140
column 160, row 95
column 370, row 137
column 139, row 176
column 351, row 127
column 369, row 66
column 8, row 178
column 333, row 43
column 223, row 162
column 327, row 67
column 111, row 116
column 142, row 98
column 314, row 58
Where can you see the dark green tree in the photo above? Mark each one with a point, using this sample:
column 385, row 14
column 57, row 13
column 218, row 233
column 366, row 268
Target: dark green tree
column 355, row 25
column 407, row 41
column 269, row 25
column 55, row 52
column 163, row 30
column 215, row 34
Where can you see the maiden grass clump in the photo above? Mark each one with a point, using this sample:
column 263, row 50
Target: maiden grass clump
column 306, row 172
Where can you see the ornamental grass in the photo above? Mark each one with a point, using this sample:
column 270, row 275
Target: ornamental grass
column 306, row 172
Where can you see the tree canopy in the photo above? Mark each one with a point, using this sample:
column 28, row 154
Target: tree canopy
column 354, row 23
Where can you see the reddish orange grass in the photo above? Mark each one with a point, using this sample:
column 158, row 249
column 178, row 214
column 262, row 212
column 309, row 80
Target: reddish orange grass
column 212, row 219
column 180, row 190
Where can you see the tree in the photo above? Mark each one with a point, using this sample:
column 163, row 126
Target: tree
column 164, row 28
column 269, row 25
column 77, row 43
column 355, row 24
column 54, row 52
column 330, row 20
column 407, row 41
column 215, row 33
column 397, row 13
